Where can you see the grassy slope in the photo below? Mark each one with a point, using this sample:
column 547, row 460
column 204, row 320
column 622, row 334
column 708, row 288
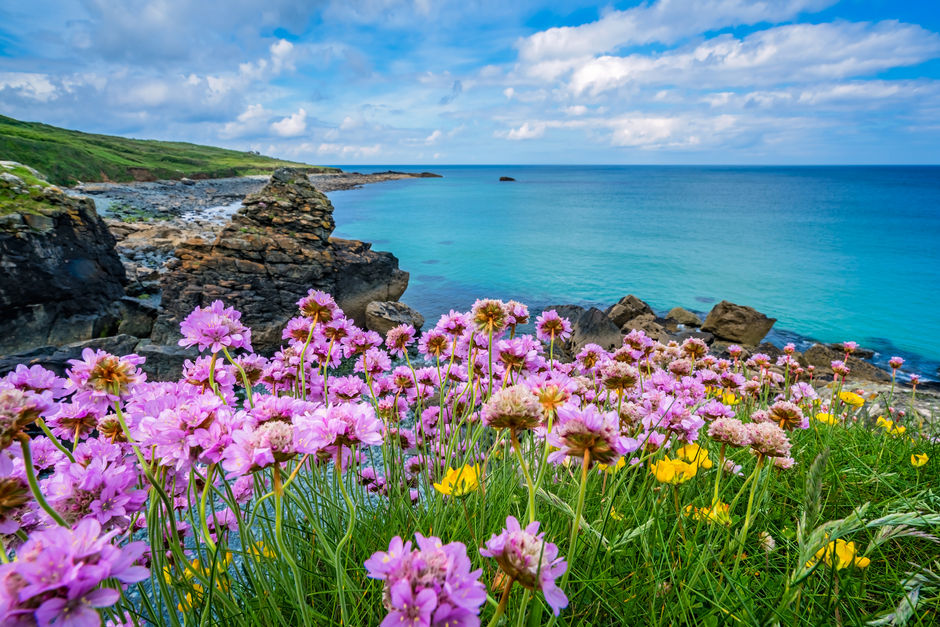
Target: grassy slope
column 69, row 156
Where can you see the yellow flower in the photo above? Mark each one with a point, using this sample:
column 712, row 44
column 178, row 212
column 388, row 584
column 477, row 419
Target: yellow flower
column 840, row 555
column 851, row 398
column 918, row 459
column 615, row 515
column 828, row 419
column 459, row 481
column 695, row 454
column 674, row 471
column 719, row 513
column 889, row 426
column 612, row 469
column 728, row 398
column 260, row 549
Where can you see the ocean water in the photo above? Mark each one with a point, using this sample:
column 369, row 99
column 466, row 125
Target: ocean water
column 834, row 253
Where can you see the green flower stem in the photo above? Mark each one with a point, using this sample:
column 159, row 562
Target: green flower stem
column 721, row 469
column 281, row 545
column 202, row 508
column 749, row 511
column 303, row 367
column 241, row 371
column 525, row 471
column 340, row 569
column 34, row 485
column 55, row 440
column 585, row 466
column 503, row 602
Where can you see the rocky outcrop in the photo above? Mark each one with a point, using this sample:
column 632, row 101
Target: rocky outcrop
column 506, row 179
column 684, row 317
column 594, row 327
column 648, row 324
column 383, row 316
column 822, row 355
column 59, row 268
column 737, row 323
column 628, row 308
column 276, row 247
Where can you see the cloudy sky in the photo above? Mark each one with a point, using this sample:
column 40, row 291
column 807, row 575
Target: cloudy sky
column 481, row 81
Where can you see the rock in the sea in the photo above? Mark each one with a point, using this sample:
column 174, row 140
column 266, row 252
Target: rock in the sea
column 821, row 356
column 737, row 323
column 276, row 247
column 59, row 266
column 506, row 179
column 682, row 336
column 594, row 327
column 628, row 308
column 382, row 316
column 648, row 324
column 684, row 317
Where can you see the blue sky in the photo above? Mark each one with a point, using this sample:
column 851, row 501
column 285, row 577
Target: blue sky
column 481, row 81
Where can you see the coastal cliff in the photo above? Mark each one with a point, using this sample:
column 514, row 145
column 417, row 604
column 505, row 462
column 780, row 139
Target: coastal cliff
column 276, row 247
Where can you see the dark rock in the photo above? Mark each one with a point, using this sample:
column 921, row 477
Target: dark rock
column 593, row 327
column 684, row 317
column 821, row 356
column 56, row 358
column 136, row 317
column 164, row 363
column 382, row 316
column 861, row 353
column 59, row 268
column 648, row 324
column 628, row 308
column 571, row 312
column 737, row 323
column 506, row 178
column 276, row 247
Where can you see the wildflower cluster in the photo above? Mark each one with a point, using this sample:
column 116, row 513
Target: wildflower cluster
column 208, row 480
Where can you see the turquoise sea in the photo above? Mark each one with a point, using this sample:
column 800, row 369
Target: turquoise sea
column 834, row 253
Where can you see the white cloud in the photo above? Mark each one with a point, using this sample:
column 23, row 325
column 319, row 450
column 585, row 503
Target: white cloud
column 576, row 110
column 549, row 53
column 509, row 92
column 433, row 137
column 32, row 86
column 526, row 131
column 291, row 126
column 794, row 53
column 348, row 151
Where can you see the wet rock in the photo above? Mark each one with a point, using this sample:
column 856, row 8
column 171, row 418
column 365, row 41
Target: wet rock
column 861, row 353
column 821, row 356
column 276, row 247
column 684, row 317
column 382, row 316
column 506, row 179
column 737, row 323
column 628, row 308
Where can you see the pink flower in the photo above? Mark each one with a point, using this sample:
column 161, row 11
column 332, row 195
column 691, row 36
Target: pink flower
column 215, row 327
column 550, row 326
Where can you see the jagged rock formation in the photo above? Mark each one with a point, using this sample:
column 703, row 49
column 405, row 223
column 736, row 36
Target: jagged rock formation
column 60, row 272
column 276, row 247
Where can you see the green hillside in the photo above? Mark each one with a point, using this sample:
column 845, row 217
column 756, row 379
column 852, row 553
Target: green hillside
column 67, row 157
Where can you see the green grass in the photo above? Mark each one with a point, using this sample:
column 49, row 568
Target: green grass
column 67, row 156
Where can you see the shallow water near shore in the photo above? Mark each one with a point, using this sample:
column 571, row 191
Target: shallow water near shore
column 834, row 253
